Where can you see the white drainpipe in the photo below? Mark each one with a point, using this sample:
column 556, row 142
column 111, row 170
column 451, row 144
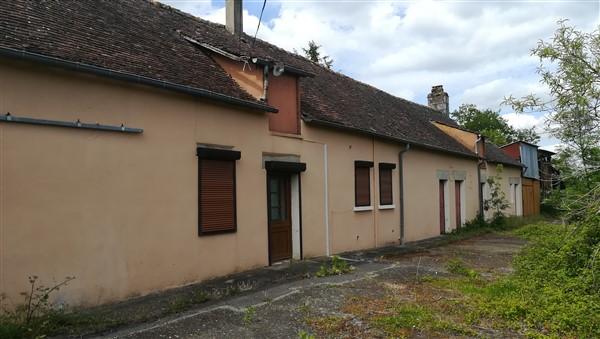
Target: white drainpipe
column 326, row 173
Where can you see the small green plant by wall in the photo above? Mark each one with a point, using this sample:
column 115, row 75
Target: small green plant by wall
column 496, row 202
column 36, row 316
column 337, row 266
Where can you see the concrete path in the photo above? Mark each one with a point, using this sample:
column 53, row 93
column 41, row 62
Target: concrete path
column 285, row 310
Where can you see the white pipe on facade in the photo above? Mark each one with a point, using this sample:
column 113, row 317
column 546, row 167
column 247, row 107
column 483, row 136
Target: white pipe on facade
column 326, row 202
column 2, row 236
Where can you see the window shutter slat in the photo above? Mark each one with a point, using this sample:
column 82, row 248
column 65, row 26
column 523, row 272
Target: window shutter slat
column 385, row 186
column 217, row 195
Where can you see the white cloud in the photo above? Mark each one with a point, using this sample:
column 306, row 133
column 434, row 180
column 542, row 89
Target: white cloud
column 522, row 120
column 552, row 147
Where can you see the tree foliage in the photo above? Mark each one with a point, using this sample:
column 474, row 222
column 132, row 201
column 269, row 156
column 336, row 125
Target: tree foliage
column 569, row 66
column 313, row 53
column 492, row 125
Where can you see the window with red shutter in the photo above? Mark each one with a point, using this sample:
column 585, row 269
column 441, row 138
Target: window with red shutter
column 386, row 196
column 216, row 191
column 362, row 183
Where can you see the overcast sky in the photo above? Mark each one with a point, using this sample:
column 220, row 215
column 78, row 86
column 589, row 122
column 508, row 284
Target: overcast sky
column 479, row 50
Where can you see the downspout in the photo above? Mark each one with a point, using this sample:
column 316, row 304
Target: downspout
column 479, row 163
column 2, row 237
column 326, row 190
column 401, row 184
column 265, row 82
column 374, row 189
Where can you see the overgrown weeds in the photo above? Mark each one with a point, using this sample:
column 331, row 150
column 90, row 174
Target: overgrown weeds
column 553, row 290
column 409, row 317
column 479, row 226
column 337, row 266
column 36, row 316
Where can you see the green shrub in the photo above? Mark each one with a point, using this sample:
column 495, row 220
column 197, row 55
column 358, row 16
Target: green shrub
column 337, row 266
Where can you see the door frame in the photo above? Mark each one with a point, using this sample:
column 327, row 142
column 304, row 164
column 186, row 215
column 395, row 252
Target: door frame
column 459, row 203
column 291, row 176
column 444, row 197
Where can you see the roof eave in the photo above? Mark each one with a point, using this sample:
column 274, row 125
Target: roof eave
column 505, row 163
column 129, row 77
column 519, row 142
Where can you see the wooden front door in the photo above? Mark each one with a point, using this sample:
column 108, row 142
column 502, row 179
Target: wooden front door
column 442, row 207
column 457, row 202
column 531, row 197
column 280, row 219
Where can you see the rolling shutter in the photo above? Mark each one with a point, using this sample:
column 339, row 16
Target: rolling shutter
column 362, row 183
column 386, row 196
column 216, row 191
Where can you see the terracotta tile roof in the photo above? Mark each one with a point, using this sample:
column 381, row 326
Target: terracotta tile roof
column 146, row 38
column 137, row 37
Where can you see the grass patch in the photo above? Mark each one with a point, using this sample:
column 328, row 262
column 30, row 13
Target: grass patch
column 407, row 318
column 457, row 266
column 305, row 335
column 327, row 325
column 478, row 226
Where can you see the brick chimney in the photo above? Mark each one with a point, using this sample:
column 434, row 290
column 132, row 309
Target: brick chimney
column 233, row 17
column 438, row 99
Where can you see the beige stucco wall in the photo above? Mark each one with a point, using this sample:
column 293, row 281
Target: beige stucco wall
column 119, row 212
column 350, row 229
column 421, row 191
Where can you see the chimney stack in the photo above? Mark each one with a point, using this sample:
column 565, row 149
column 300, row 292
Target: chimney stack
column 438, row 99
column 233, row 17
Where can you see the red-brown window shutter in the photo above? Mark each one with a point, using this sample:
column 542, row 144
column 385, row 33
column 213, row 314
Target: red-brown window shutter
column 386, row 196
column 362, row 183
column 216, row 191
